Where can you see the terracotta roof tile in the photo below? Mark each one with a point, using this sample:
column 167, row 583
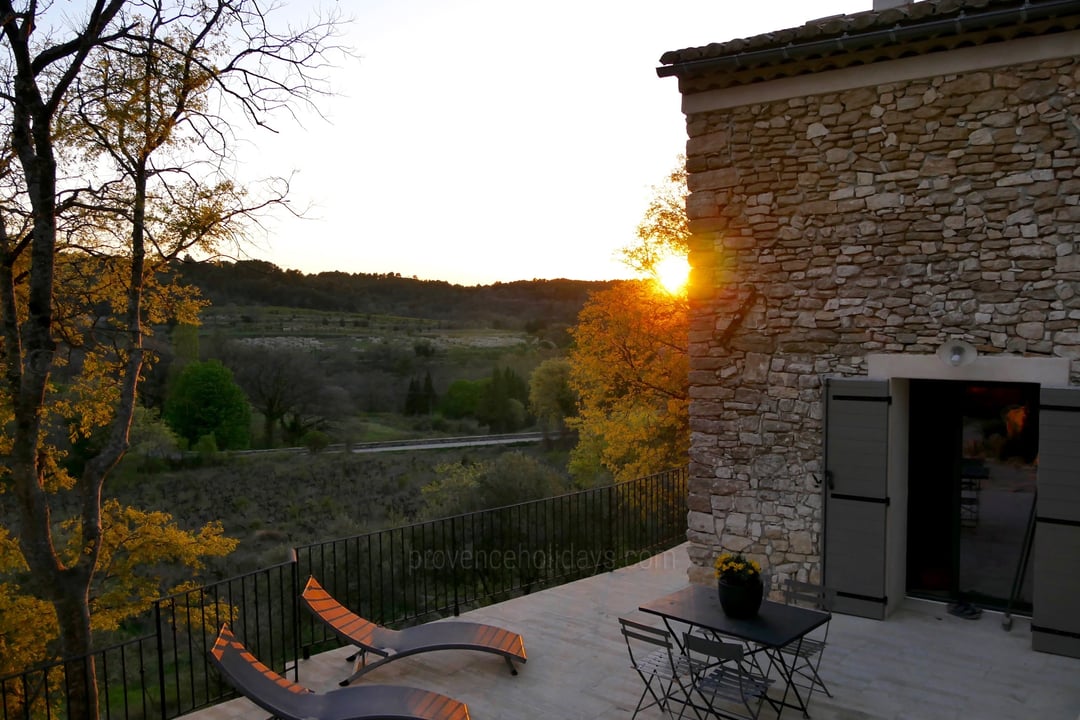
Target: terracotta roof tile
column 916, row 22
column 838, row 25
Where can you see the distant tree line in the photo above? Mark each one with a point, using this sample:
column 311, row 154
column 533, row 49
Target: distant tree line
column 532, row 305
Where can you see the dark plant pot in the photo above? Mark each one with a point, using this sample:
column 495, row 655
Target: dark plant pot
column 740, row 601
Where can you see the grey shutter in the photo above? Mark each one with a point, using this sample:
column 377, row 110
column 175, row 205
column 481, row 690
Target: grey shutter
column 1055, row 622
column 856, row 494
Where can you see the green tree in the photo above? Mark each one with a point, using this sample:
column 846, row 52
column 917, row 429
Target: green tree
column 431, row 398
column 551, row 398
column 316, row 441
column 511, row 478
column 151, row 438
column 412, row 397
column 205, row 400
column 185, row 343
column 462, row 399
column 421, row 399
column 503, row 401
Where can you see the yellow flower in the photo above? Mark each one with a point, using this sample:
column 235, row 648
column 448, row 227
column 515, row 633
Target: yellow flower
column 735, row 568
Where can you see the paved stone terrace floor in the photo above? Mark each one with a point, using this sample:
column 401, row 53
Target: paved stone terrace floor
column 921, row 663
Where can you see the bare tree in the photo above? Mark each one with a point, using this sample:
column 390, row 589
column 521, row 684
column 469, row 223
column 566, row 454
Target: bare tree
column 279, row 383
column 119, row 126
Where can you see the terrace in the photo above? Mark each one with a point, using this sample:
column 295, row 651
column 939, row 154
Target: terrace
column 560, row 571
column 920, row 663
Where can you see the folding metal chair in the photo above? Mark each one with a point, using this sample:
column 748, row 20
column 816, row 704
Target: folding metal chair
column 724, row 678
column 662, row 667
column 805, row 654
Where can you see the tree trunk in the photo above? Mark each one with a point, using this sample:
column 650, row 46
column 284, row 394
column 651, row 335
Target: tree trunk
column 80, row 673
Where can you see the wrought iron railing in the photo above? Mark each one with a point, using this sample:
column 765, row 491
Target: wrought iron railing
column 394, row 577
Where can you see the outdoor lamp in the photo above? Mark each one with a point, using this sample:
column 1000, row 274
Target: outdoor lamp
column 956, row 353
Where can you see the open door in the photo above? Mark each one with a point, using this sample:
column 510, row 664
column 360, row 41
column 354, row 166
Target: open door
column 934, row 469
column 971, row 483
column 856, row 494
column 1055, row 622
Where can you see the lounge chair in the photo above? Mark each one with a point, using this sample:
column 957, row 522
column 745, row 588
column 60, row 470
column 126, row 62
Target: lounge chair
column 291, row 701
column 392, row 644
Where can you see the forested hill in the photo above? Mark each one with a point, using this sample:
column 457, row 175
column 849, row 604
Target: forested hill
column 256, row 282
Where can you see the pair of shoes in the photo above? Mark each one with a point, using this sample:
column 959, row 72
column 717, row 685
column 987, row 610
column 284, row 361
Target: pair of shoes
column 964, row 610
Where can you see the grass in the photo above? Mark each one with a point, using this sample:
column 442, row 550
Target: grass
column 256, row 319
column 386, row 427
column 274, row 502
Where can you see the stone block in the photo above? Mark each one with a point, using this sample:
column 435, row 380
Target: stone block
column 701, row 522
column 970, row 83
column 709, row 143
column 735, row 543
column 713, row 179
column 882, row 201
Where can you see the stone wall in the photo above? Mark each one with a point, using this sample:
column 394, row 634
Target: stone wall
column 877, row 220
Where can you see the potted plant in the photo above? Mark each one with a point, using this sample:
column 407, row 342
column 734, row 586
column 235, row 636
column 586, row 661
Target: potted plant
column 739, row 584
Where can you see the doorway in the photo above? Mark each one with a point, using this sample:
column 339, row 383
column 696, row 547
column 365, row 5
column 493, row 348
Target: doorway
column 972, row 460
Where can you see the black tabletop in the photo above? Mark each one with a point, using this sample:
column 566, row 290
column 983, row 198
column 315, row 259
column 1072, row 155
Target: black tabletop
column 774, row 626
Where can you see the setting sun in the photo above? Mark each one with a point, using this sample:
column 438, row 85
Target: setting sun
column 673, row 272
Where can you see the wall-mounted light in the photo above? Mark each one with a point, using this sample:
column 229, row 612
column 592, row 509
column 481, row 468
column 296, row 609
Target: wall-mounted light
column 955, row 353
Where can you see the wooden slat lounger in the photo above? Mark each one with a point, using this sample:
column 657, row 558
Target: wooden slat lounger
column 291, row 701
column 392, row 644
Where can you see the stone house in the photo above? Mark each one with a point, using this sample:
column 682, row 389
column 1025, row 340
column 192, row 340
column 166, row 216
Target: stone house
column 885, row 304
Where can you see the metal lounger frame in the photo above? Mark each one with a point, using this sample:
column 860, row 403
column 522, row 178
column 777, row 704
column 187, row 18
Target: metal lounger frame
column 288, row 700
column 390, row 644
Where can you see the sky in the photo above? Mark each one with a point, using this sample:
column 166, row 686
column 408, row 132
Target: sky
column 482, row 141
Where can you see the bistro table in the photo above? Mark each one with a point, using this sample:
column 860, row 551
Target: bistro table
column 775, row 626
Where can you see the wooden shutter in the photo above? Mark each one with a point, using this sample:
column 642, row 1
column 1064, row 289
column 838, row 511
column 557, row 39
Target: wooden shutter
column 1055, row 621
column 856, row 494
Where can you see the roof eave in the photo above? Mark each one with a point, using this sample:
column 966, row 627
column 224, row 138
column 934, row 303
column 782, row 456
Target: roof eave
column 964, row 23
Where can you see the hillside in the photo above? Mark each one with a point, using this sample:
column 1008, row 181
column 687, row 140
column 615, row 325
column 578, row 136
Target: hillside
column 514, row 305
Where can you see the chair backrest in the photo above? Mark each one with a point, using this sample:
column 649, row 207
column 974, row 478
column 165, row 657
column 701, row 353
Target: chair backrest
column 798, row 592
column 645, row 633
column 715, row 649
column 720, row 672
column 346, row 624
column 256, row 681
column 651, row 639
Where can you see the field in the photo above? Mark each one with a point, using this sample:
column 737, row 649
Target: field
column 275, row 501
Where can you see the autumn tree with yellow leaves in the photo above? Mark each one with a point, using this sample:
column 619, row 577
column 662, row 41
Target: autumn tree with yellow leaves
column 629, row 365
column 115, row 161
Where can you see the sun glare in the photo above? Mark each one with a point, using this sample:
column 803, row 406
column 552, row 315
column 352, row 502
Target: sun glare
column 673, row 272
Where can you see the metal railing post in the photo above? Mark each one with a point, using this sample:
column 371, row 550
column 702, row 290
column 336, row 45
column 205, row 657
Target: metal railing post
column 454, row 564
column 160, row 659
column 296, row 614
column 613, row 515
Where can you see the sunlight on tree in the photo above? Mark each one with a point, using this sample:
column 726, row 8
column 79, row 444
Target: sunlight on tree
column 663, row 232
column 139, row 549
column 119, row 122
column 629, row 364
column 673, row 272
column 630, row 369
